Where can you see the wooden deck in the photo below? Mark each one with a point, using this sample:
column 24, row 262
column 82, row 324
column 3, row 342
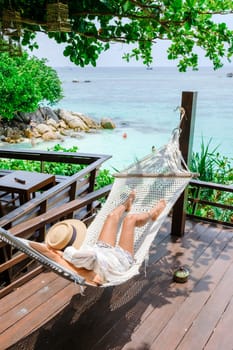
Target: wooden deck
column 148, row 312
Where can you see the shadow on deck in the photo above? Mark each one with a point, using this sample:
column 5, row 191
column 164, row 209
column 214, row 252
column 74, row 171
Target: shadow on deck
column 147, row 312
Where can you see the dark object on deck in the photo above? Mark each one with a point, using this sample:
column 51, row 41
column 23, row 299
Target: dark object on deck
column 20, row 181
column 181, row 274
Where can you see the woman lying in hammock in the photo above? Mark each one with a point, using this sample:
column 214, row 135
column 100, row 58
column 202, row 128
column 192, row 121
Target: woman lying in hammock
column 105, row 260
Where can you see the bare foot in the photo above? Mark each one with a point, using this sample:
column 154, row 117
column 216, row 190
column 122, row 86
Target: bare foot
column 97, row 279
column 129, row 201
column 154, row 213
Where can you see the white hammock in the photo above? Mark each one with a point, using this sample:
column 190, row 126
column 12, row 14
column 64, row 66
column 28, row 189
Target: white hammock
column 162, row 174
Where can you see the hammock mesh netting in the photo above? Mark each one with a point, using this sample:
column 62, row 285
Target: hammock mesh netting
column 160, row 175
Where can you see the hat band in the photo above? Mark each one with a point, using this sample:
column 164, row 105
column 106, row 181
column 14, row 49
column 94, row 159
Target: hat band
column 72, row 239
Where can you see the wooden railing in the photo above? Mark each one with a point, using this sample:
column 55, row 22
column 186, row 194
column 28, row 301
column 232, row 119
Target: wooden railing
column 53, row 156
column 195, row 200
column 72, row 195
column 67, row 188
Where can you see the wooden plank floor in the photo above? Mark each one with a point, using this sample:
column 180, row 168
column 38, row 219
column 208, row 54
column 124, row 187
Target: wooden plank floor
column 148, row 312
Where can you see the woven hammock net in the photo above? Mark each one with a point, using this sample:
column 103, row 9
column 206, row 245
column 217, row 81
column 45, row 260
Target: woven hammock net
column 160, row 175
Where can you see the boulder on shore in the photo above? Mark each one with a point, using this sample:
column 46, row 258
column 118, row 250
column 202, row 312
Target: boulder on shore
column 49, row 124
column 107, row 123
column 73, row 121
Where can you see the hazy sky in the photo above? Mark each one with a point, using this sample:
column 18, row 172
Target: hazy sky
column 49, row 49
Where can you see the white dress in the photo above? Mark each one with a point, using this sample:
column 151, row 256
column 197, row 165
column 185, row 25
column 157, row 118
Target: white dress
column 105, row 260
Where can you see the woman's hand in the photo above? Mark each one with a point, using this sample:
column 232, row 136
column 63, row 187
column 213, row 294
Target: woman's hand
column 97, row 279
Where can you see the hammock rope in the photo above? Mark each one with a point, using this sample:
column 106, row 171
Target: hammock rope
column 160, row 175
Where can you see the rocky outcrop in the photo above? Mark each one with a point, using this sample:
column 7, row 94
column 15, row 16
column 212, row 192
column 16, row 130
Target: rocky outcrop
column 73, row 121
column 107, row 123
column 49, row 124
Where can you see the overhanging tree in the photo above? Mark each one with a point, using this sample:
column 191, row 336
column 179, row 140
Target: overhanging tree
column 89, row 27
column 26, row 82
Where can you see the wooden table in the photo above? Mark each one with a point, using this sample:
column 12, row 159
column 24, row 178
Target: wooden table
column 26, row 183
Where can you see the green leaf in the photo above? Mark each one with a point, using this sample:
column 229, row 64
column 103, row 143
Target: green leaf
column 94, row 26
column 26, row 82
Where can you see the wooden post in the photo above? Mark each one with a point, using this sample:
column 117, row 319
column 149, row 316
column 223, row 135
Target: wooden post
column 186, row 145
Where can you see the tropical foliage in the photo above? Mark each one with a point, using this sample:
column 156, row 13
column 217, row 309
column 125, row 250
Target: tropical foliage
column 89, row 27
column 212, row 167
column 24, row 83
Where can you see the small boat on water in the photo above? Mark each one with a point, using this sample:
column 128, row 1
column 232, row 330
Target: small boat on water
column 229, row 75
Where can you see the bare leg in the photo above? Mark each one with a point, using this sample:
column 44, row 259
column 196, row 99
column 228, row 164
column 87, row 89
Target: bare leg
column 137, row 220
column 109, row 229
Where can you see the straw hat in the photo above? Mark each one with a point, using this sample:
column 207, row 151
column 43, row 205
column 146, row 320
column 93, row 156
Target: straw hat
column 66, row 233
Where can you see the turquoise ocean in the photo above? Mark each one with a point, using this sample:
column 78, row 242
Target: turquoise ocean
column 143, row 104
